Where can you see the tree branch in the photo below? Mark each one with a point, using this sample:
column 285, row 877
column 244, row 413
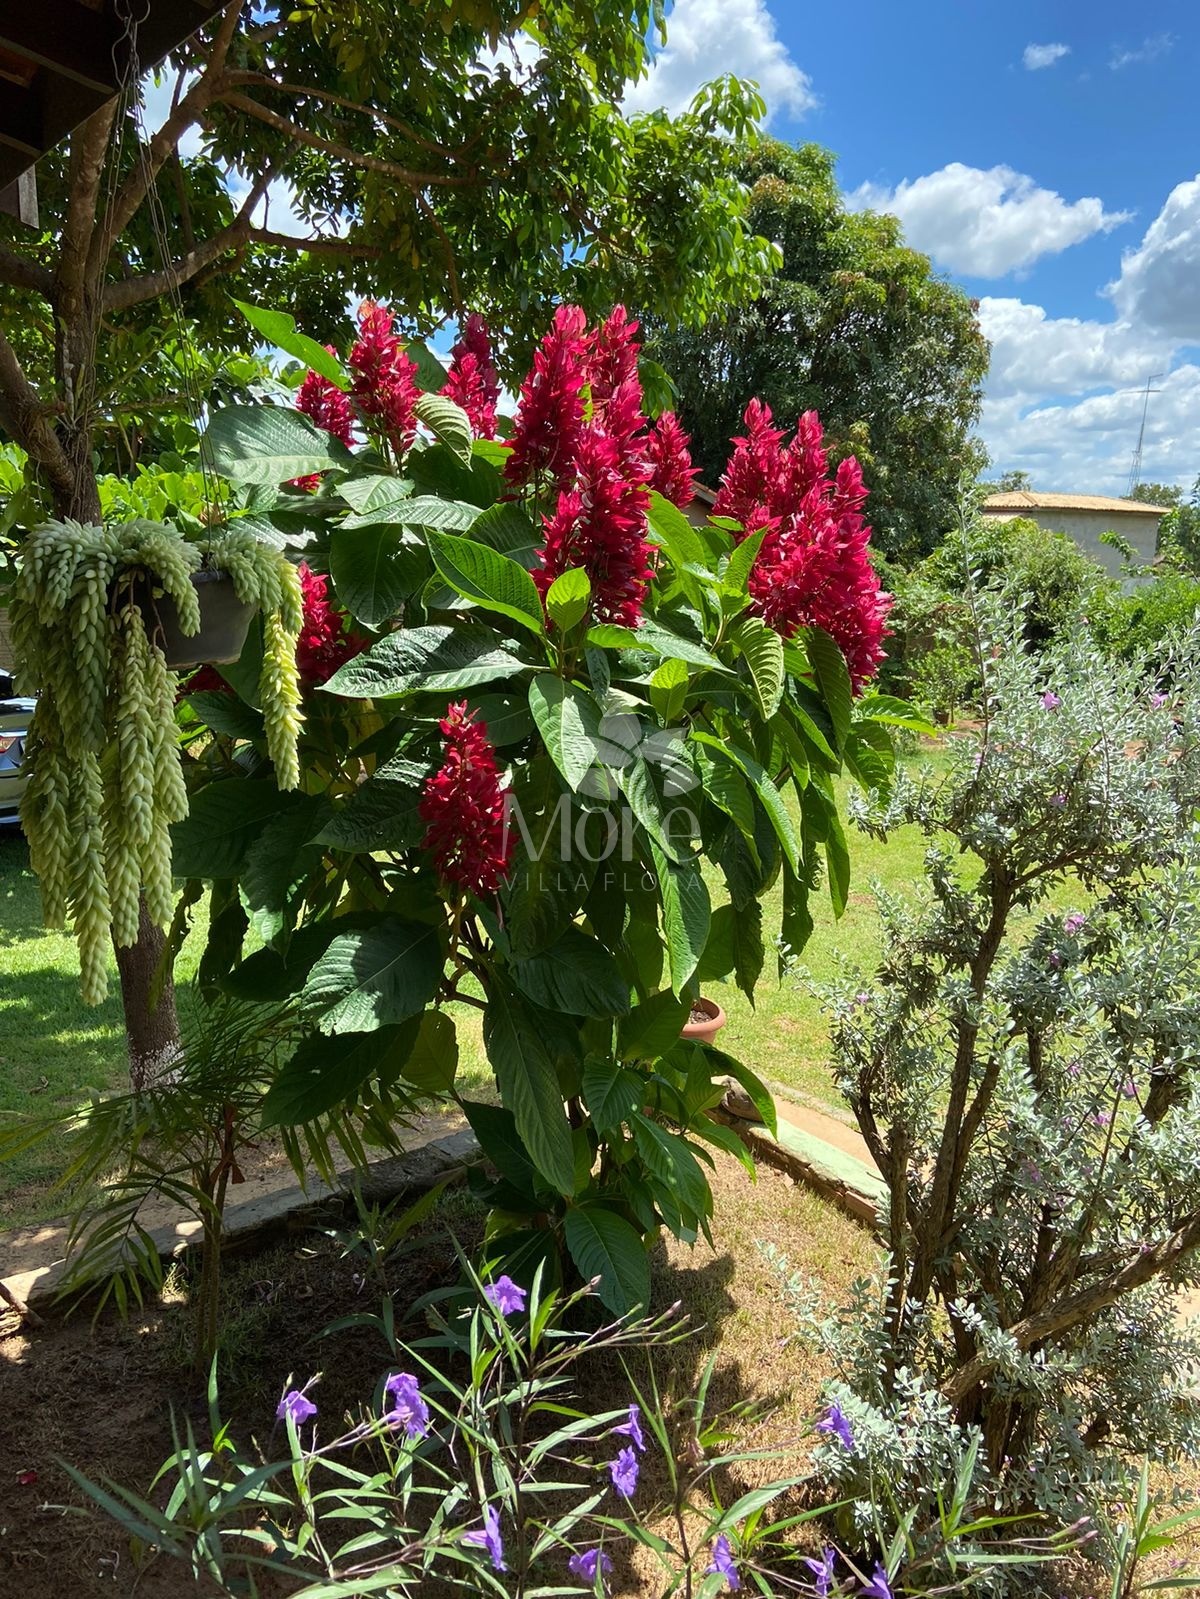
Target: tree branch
column 323, row 244
column 23, row 273
column 342, row 152
column 27, row 420
column 89, row 148
column 263, row 80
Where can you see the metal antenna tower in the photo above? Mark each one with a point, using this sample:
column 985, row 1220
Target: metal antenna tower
column 1135, row 470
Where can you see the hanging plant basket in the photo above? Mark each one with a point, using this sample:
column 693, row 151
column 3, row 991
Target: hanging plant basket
column 224, row 623
column 706, row 1021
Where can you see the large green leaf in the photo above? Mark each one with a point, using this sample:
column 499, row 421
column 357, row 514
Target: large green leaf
column 652, row 1028
column 381, row 813
column 435, row 659
column 326, row 1072
column 603, row 1245
column 447, row 422
column 515, row 1039
column 271, row 974
column 276, row 863
column 374, row 491
column 490, row 579
column 686, row 913
column 576, row 975
column 669, row 1158
column 568, row 719
column 222, row 821
column 267, row 444
column 496, row 1130
column 228, row 715
column 373, row 976
column 762, row 649
column 567, row 598
column 541, row 897
column 735, row 944
column 505, row 717
column 415, row 510
column 432, row 1062
column 279, row 329
column 768, row 794
column 506, row 526
column 668, row 689
column 376, row 569
column 829, row 666
column 612, row 1092
column 431, row 374
column 727, row 788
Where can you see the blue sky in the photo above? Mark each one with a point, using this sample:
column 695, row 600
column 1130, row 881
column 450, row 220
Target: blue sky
column 1046, row 157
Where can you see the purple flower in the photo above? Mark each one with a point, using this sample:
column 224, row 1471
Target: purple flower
column 584, row 1564
column 506, row 1295
column 295, row 1405
column 722, row 1564
column 879, row 1587
column 624, row 1472
column 822, row 1571
column 834, row 1423
column 488, row 1537
column 1129, row 1088
column 1055, row 960
column 407, row 1408
column 1058, row 801
column 1157, row 701
column 632, row 1429
column 1074, row 1068
column 1050, row 702
column 1073, row 922
column 1100, row 1119
column 862, row 997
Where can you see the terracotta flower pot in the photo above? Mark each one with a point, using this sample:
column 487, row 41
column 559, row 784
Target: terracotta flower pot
column 706, row 1022
column 224, row 623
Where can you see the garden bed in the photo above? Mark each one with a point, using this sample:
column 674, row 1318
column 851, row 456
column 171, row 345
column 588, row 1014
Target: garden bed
column 102, row 1398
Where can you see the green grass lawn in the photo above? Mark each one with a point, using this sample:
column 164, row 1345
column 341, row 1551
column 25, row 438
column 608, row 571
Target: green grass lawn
column 53, row 1048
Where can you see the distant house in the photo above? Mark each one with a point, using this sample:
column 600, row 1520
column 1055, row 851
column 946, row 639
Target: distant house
column 1084, row 518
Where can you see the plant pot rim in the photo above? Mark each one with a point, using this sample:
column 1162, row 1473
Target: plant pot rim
column 716, row 1019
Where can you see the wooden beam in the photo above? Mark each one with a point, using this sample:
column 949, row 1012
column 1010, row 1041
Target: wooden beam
column 68, row 38
column 19, row 199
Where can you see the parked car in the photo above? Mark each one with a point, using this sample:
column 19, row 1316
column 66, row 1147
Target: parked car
column 15, row 714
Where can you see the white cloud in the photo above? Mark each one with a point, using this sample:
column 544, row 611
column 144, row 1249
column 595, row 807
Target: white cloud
column 1037, row 56
column 1037, row 355
column 708, row 38
column 986, row 223
column 1159, row 285
column 1150, row 49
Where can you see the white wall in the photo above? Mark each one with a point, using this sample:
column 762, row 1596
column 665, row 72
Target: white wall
column 1086, row 527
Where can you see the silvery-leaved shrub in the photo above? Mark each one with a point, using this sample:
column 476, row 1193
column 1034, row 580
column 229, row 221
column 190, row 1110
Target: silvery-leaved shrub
column 1023, row 1067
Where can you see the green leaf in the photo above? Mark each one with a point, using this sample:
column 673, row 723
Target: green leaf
column 432, row 1063
column 527, row 1077
column 669, row 1158
column 576, row 975
column 651, row 636
column 723, row 784
column 741, row 562
column 735, row 944
column 652, row 1028
column 223, row 820
column 762, row 649
column 686, row 913
column 829, row 667
column 381, row 813
column 447, row 422
column 769, row 795
column 603, row 1245
column 373, row 976
column 431, row 374
column 268, row 444
column 612, row 1093
column 567, row 597
column 837, row 862
column 668, row 689
column 435, row 659
column 505, row 717
column 893, row 712
column 279, row 329
column 568, row 719
column 276, row 863
column 374, row 491
column 756, row 1090
column 496, row 1130
column 416, row 510
column 270, row 975
column 327, row 1072
column 375, row 570
column 228, row 715
column 507, row 527
column 490, row 579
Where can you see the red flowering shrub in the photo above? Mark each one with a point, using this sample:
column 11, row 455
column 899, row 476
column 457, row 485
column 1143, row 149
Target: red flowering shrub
column 325, row 641
column 812, row 568
column 473, row 382
column 329, row 407
column 385, row 378
column 549, row 415
column 463, row 809
column 672, row 472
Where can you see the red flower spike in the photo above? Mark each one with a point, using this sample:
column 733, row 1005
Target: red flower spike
column 612, row 361
column 385, row 379
column 672, row 472
column 325, row 642
column 812, row 569
column 473, row 382
column 462, row 807
column 329, row 407
column 550, row 411
column 600, row 526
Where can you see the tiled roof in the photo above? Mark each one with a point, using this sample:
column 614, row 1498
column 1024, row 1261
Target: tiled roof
column 1029, row 500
